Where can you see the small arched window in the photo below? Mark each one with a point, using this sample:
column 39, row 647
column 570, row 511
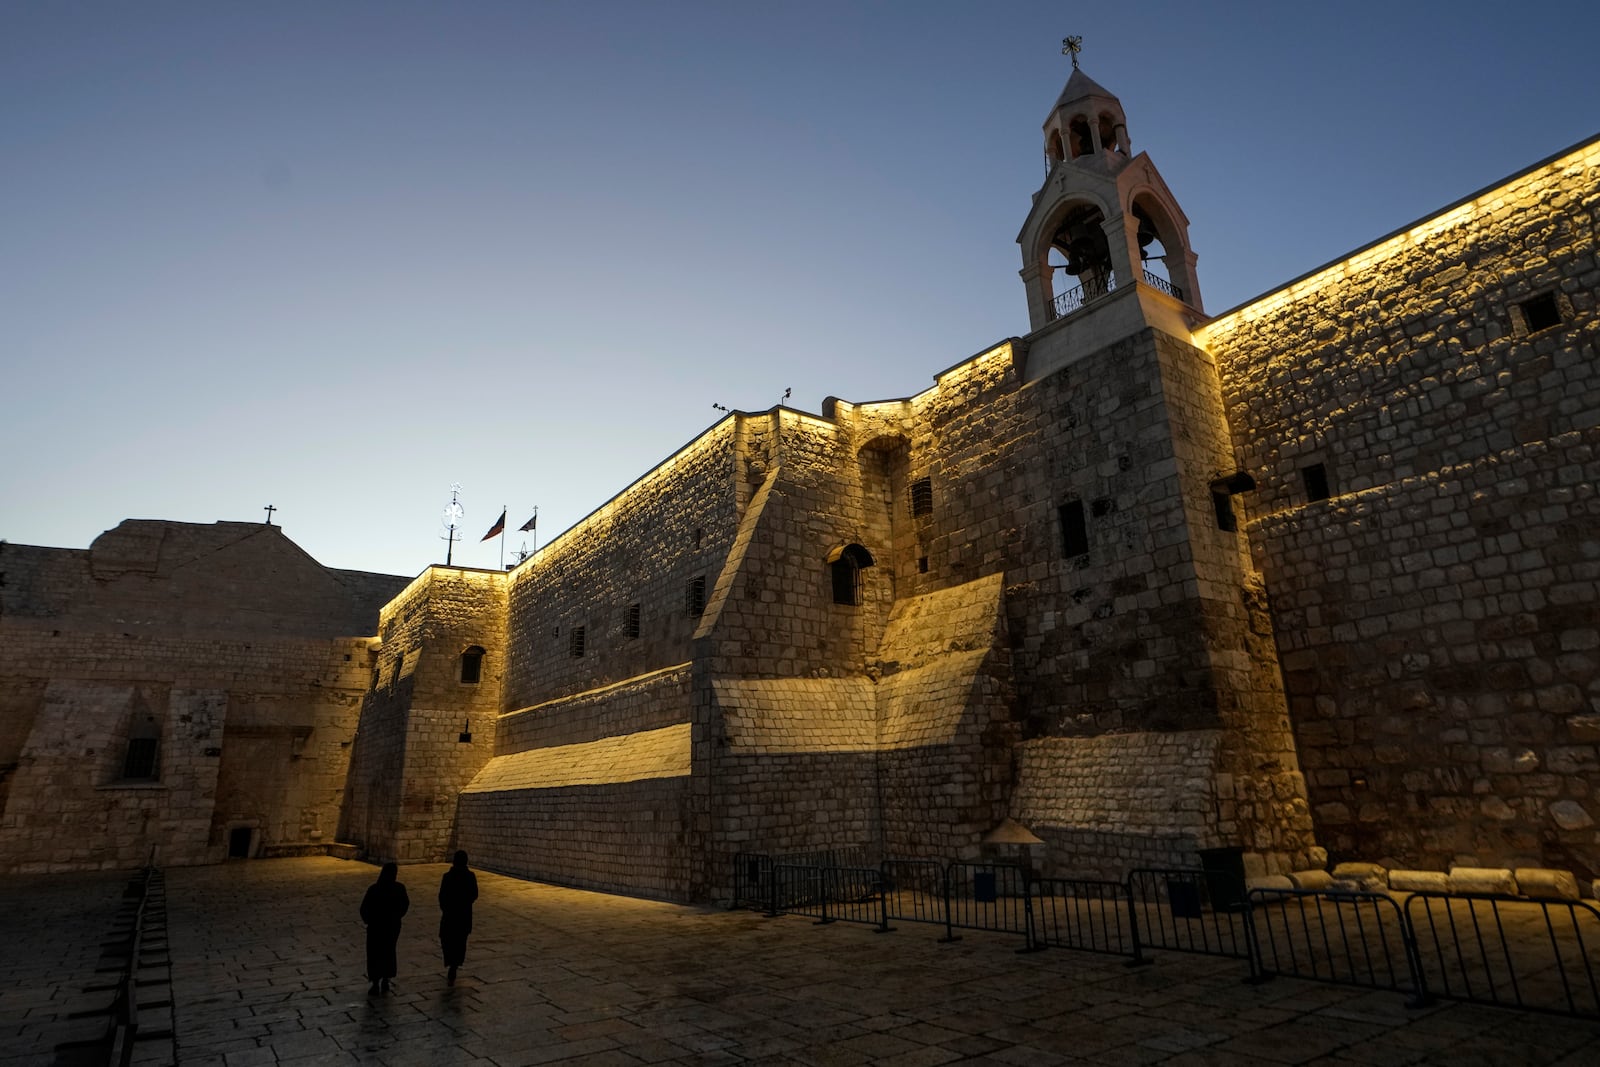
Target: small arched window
column 472, row 665
column 846, row 563
column 1054, row 149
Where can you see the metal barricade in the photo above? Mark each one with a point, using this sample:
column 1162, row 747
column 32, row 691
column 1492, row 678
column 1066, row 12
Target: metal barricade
column 1178, row 911
column 1347, row 938
column 1084, row 914
column 752, row 880
column 1507, row 951
column 988, row 896
column 855, row 895
column 796, row 890
column 915, row 891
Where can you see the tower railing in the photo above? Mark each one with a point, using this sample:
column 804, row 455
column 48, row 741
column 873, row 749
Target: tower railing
column 1078, row 296
column 1157, row 282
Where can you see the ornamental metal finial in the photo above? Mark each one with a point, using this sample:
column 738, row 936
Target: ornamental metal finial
column 1071, row 46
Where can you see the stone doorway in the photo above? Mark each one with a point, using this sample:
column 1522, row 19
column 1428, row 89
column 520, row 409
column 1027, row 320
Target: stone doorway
column 239, row 839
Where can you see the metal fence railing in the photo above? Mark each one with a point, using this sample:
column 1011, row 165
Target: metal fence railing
column 1499, row 950
column 1094, row 916
column 1507, row 951
column 1346, row 938
column 988, row 896
column 1176, row 910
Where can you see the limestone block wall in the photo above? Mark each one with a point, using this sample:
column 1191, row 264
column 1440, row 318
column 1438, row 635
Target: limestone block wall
column 70, row 808
column 58, row 787
column 944, row 717
column 426, row 729
column 644, row 548
column 589, row 789
column 286, row 756
column 1159, row 625
column 1437, row 614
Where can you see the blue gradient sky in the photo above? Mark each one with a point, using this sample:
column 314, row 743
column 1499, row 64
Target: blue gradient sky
column 337, row 257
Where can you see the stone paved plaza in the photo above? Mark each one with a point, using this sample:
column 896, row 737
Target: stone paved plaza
column 267, row 959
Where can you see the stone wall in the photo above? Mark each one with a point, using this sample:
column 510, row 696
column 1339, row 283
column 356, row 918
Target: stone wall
column 427, row 725
column 1437, row 614
column 220, row 643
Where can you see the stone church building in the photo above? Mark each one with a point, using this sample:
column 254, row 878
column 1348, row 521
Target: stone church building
column 1313, row 577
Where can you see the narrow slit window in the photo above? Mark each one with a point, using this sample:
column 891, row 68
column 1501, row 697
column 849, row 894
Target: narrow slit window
column 1074, row 531
column 575, row 642
column 1227, row 521
column 1315, row 478
column 694, row 597
column 631, row 625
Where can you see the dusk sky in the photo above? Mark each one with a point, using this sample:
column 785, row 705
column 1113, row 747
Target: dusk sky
column 337, row 257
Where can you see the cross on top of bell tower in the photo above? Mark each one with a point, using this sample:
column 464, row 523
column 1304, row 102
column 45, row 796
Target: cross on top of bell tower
column 1071, row 46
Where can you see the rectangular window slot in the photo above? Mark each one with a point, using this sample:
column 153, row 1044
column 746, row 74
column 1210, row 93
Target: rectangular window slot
column 575, row 642
column 1541, row 312
column 1316, row 481
column 1227, row 521
column 1074, row 531
column 694, row 597
column 922, row 564
column 632, row 625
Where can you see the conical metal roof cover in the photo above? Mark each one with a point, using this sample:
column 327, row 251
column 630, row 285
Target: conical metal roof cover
column 1080, row 87
column 1011, row 832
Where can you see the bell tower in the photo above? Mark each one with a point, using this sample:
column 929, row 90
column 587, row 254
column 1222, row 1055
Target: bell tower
column 1104, row 222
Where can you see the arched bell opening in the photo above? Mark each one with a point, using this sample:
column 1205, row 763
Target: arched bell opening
column 1079, row 248
column 1053, row 150
column 1079, row 139
column 1113, row 135
column 1163, row 253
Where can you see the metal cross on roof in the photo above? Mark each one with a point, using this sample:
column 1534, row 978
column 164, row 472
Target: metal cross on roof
column 1071, row 46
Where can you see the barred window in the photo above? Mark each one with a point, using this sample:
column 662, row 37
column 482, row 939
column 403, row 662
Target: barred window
column 575, row 641
column 631, row 625
column 694, row 597
column 922, row 496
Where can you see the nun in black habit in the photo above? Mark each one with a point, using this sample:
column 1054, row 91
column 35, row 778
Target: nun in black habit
column 382, row 909
column 457, row 890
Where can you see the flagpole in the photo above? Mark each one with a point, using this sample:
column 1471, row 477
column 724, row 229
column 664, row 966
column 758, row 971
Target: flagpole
column 504, row 508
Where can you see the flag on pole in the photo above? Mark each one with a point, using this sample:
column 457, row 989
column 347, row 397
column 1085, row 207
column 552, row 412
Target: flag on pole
column 498, row 527
column 531, row 524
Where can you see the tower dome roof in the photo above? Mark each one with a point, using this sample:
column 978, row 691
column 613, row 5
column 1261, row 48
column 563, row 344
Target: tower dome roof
column 1081, row 87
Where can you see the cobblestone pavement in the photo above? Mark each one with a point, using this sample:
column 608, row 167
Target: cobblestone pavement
column 267, row 959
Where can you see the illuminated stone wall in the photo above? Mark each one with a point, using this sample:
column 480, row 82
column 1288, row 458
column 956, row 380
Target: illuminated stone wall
column 223, row 641
column 892, row 725
column 1437, row 615
column 424, row 731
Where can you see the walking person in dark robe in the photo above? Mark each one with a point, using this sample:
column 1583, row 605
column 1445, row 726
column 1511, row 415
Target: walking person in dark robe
column 457, row 890
column 382, row 909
